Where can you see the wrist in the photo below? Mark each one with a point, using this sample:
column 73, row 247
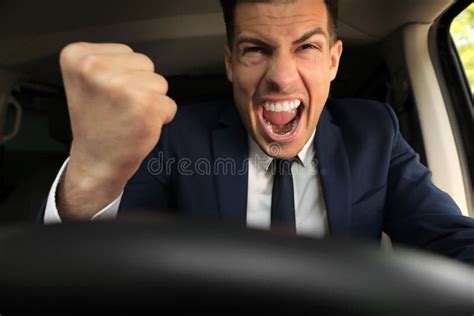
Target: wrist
column 85, row 190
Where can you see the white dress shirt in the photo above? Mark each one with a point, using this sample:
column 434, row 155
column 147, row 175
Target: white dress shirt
column 310, row 208
column 310, row 216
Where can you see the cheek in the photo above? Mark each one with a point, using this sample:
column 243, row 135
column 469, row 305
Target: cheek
column 316, row 74
column 316, row 79
column 246, row 84
column 248, row 78
column 316, row 70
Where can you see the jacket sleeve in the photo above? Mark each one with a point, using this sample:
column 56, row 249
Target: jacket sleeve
column 418, row 213
column 150, row 189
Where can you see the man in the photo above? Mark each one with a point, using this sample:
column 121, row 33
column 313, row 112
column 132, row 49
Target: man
column 312, row 165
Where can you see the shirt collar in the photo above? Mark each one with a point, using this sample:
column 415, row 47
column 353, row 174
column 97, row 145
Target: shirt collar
column 263, row 160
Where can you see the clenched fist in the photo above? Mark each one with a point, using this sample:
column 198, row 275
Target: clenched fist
column 117, row 105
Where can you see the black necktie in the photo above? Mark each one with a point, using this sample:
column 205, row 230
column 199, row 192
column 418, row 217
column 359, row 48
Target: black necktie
column 283, row 204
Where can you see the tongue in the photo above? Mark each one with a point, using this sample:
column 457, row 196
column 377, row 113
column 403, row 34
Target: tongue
column 279, row 118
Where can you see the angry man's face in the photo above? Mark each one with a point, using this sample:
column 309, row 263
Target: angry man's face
column 281, row 64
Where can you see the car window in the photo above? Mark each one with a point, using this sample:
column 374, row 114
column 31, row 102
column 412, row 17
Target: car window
column 462, row 32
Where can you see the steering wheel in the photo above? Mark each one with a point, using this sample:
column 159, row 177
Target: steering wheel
column 172, row 264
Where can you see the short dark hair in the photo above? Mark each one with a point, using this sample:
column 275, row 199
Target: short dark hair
column 228, row 8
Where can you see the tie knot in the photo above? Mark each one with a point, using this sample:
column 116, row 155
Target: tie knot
column 282, row 166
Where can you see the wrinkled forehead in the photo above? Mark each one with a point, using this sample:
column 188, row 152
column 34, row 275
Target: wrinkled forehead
column 280, row 18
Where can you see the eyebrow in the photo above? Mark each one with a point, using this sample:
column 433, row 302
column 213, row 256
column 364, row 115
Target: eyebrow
column 308, row 35
column 252, row 40
column 260, row 42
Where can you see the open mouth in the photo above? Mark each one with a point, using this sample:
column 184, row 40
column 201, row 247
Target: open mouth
column 280, row 120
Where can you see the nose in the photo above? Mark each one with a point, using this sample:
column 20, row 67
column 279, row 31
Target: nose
column 282, row 73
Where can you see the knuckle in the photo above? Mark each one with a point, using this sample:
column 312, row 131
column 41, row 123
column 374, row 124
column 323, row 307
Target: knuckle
column 69, row 52
column 174, row 109
column 124, row 47
column 162, row 84
column 173, row 106
column 147, row 62
column 87, row 65
column 122, row 90
column 165, row 84
column 151, row 104
column 167, row 109
column 117, row 86
column 145, row 100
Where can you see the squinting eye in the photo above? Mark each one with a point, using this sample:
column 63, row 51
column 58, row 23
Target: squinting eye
column 308, row 46
column 254, row 49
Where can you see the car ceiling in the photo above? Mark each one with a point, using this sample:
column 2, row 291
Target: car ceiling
column 33, row 32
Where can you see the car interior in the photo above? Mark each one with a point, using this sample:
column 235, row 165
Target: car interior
column 390, row 55
column 185, row 40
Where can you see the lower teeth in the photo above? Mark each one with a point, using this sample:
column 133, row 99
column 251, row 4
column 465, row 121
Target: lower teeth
column 293, row 125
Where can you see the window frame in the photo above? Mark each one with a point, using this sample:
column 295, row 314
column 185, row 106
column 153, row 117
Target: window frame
column 457, row 94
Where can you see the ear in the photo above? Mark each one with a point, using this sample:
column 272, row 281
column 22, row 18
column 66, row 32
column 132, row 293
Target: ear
column 336, row 52
column 228, row 62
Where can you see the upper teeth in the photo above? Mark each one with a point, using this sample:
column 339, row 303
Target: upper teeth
column 282, row 106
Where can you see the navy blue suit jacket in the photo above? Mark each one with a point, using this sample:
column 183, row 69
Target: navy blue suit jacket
column 371, row 178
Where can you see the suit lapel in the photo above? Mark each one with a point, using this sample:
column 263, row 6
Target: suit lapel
column 230, row 144
column 334, row 174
